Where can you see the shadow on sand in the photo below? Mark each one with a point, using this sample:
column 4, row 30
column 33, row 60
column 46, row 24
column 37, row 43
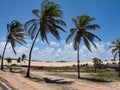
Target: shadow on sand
column 57, row 81
column 35, row 79
column 96, row 80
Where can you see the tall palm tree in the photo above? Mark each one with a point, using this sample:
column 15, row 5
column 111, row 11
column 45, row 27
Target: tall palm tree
column 48, row 21
column 96, row 62
column 15, row 34
column 81, row 32
column 116, row 51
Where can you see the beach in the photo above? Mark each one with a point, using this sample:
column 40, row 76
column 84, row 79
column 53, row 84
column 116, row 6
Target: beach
column 19, row 82
column 42, row 80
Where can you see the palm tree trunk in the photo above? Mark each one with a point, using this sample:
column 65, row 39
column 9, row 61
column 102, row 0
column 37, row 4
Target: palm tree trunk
column 78, row 62
column 29, row 64
column 119, row 58
column 95, row 67
column 3, row 55
column 119, row 64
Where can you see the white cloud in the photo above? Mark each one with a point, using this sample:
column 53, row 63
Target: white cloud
column 62, row 51
column 54, row 44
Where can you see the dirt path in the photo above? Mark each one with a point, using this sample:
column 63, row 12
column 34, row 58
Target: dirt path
column 44, row 81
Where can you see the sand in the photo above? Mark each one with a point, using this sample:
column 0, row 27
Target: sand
column 54, row 64
column 19, row 82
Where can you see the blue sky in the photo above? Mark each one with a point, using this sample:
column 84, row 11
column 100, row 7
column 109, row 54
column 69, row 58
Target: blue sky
column 106, row 12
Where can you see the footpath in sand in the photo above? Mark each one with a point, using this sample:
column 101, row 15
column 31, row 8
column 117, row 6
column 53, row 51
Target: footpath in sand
column 18, row 82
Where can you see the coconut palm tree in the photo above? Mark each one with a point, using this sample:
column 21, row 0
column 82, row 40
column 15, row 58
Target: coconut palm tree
column 96, row 62
column 49, row 20
column 116, row 51
column 15, row 34
column 81, row 32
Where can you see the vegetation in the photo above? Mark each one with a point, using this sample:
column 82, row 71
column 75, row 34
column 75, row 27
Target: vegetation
column 116, row 50
column 23, row 57
column 19, row 59
column 81, row 31
column 9, row 60
column 15, row 34
column 103, row 75
column 96, row 62
column 48, row 21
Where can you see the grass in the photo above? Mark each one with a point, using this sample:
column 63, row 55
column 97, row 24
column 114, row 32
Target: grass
column 102, row 75
column 60, row 69
column 107, row 74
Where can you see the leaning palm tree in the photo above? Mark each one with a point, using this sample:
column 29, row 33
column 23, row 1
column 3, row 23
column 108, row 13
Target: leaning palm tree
column 48, row 21
column 15, row 33
column 116, row 51
column 81, row 32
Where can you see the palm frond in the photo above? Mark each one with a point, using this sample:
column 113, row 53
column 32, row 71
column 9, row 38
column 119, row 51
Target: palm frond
column 115, row 56
column 85, row 20
column 72, row 32
column 76, row 41
column 86, row 43
column 92, row 27
column 114, row 50
column 91, row 35
column 29, row 23
column 35, row 12
column 16, row 33
column 43, row 35
column 13, row 46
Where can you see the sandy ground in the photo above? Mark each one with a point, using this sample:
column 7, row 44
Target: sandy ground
column 19, row 82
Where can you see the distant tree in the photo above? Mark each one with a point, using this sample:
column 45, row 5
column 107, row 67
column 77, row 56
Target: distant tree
column 9, row 60
column 23, row 58
column 116, row 51
column 19, row 59
column 96, row 62
column 49, row 20
column 82, row 32
column 15, row 34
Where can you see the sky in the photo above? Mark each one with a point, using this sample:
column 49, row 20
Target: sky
column 106, row 12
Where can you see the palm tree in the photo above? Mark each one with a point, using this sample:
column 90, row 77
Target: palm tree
column 15, row 33
column 48, row 21
column 23, row 58
column 96, row 62
column 81, row 32
column 116, row 50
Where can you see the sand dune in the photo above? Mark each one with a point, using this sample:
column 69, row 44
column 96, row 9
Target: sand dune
column 52, row 64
